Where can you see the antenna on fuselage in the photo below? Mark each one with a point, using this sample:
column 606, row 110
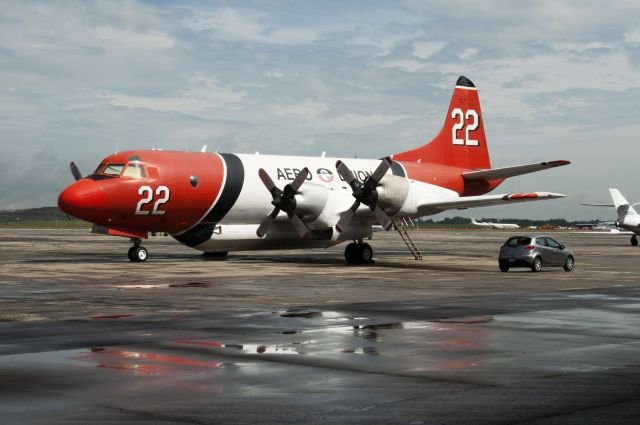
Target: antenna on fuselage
column 116, row 148
column 323, row 154
column 204, row 148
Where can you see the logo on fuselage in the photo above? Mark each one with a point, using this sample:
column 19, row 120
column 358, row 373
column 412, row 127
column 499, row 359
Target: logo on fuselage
column 324, row 174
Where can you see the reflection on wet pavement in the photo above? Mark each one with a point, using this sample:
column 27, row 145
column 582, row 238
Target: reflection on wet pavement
column 255, row 344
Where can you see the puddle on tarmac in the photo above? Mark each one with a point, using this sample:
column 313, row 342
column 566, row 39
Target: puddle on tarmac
column 300, row 313
column 111, row 316
column 189, row 285
column 141, row 362
column 328, row 315
column 466, row 320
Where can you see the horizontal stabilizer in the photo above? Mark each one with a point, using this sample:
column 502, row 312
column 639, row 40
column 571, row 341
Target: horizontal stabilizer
column 502, row 173
column 484, row 201
column 599, row 205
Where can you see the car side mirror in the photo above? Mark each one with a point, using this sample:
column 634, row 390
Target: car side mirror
column 562, row 247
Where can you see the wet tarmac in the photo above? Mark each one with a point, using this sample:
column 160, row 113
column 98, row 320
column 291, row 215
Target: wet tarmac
column 299, row 337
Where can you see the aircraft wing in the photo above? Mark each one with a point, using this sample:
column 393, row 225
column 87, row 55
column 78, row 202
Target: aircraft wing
column 599, row 205
column 464, row 202
column 501, row 173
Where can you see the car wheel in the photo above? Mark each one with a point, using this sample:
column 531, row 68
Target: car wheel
column 634, row 240
column 503, row 267
column 536, row 266
column 568, row 265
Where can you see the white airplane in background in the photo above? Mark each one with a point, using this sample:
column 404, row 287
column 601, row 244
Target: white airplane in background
column 220, row 202
column 494, row 225
column 628, row 218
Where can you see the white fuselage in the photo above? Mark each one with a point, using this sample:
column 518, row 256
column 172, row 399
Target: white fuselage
column 497, row 225
column 321, row 200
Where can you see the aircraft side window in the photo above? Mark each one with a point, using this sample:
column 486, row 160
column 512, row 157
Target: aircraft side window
column 134, row 170
column 113, row 169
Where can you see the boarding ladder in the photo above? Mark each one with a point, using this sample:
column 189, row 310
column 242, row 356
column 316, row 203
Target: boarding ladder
column 401, row 226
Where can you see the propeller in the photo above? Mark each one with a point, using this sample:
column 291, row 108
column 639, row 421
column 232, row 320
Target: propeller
column 75, row 171
column 284, row 200
column 365, row 193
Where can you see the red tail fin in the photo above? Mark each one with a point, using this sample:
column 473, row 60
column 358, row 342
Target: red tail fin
column 461, row 142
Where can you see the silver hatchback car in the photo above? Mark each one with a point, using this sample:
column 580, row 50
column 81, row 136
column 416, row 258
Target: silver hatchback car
column 534, row 252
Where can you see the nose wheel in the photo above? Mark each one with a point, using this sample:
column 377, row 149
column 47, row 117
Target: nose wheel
column 358, row 253
column 137, row 253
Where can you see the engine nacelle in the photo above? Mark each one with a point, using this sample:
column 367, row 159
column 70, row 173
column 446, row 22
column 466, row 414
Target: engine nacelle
column 392, row 192
column 310, row 201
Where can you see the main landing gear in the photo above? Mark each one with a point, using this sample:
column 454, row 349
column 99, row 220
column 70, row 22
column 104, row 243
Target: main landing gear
column 137, row 253
column 634, row 240
column 358, row 253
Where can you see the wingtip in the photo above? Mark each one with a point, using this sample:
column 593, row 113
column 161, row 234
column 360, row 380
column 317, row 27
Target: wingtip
column 559, row 162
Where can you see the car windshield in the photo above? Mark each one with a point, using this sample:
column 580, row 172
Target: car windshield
column 518, row 241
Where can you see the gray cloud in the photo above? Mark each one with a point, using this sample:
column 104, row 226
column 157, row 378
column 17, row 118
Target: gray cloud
column 556, row 79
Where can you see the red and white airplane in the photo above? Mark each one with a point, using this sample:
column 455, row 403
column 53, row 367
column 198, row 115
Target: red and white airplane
column 220, row 202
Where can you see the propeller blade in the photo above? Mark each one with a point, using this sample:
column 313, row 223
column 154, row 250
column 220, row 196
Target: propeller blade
column 267, row 223
column 383, row 218
column 382, row 169
column 75, row 171
column 299, row 226
column 300, row 178
column 346, row 173
column 266, row 180
column 346, row 217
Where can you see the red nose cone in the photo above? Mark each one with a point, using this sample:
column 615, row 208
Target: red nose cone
column 84, row 199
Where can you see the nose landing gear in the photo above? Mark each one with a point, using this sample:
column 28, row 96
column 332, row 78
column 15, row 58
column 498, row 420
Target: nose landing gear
column 358, row 253
column 137, row 253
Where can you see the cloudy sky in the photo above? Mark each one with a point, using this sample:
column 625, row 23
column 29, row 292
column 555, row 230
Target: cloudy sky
column 557, row 80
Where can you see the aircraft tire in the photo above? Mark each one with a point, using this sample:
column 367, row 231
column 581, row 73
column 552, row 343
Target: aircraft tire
column 365, row 253
column 139, row 254
column 215, row 255
column 130, row 254
column 351, row 253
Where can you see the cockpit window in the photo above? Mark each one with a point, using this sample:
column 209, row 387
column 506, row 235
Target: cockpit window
column 113, row 169
column 99, row 168
column 134, row 170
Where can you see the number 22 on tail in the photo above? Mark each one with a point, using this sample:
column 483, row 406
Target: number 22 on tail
column 472, row 123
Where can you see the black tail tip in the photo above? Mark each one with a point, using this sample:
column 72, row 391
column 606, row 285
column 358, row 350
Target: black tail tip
column 464, row 82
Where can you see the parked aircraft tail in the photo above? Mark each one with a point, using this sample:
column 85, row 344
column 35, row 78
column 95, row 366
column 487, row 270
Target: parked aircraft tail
column 621, row 204
column 461, row 141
